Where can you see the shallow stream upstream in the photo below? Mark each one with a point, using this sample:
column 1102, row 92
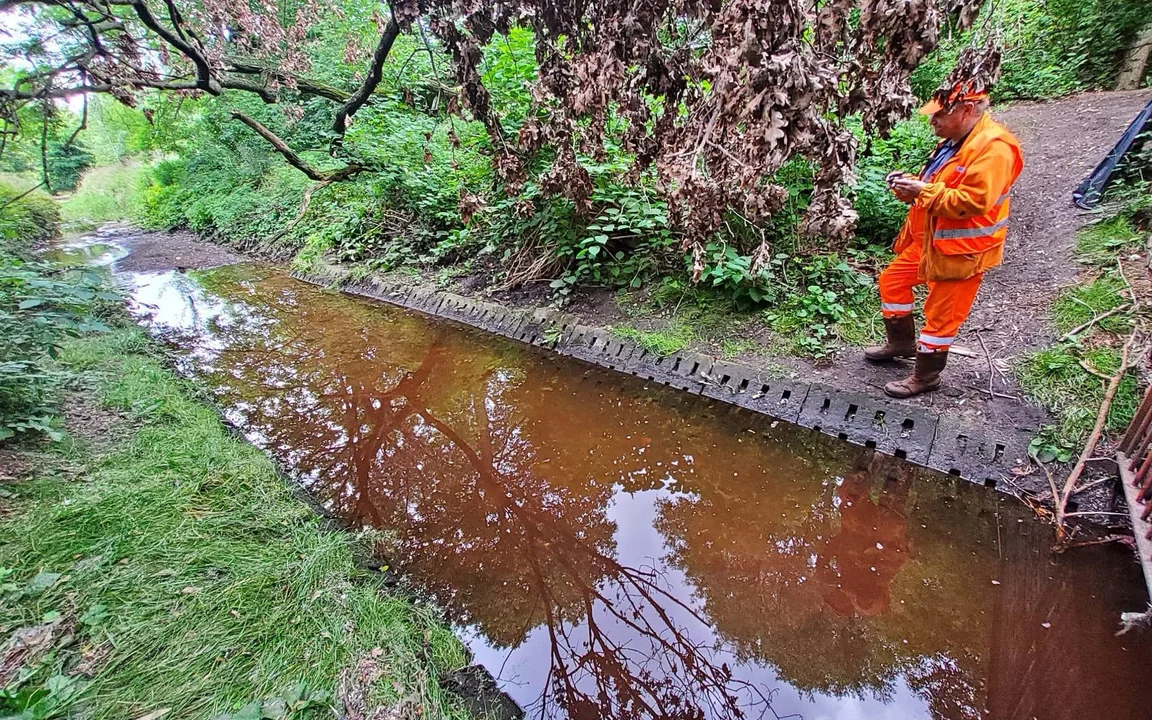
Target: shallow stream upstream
column 612, row 549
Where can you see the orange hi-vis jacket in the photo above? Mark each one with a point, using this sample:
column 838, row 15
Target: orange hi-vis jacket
column 961, row 217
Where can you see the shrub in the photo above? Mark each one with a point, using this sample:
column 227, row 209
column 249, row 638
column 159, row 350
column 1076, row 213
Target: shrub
column 39, row 306
column 66, row 163
column 1051, row 47
column 28, row 222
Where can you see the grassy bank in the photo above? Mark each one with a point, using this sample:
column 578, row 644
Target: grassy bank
column 151, row 564
column 1097, row 314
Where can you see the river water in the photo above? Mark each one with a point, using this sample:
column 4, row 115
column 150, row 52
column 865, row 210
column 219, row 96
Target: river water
column 611, row 549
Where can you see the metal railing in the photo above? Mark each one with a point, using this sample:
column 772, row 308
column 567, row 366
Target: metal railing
column 1134, row 459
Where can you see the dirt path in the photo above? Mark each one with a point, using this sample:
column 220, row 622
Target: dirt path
column 1062, row 140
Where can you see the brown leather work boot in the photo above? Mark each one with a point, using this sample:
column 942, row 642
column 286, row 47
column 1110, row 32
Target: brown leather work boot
column 901, row 340
column 925, row 378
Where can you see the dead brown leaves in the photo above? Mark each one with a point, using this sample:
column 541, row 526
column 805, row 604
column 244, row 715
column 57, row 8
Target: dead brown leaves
column 355, row 687
column 714, row 96
column 27, row 645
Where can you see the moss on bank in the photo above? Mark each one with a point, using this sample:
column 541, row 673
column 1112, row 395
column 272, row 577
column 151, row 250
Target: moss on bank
column 175, row 571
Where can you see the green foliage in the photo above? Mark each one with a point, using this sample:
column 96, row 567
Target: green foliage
column 622, row 246
column 28, row 222
column 1051, row 47
column 66, row 163
column 1055, row 379
column 1081, row 303
column 1102, row 241
column 907, row 149
column 837, row 302
column 39, row 307
column 192, row 577
column 1064, row 378
column 106, row 193
column 1049, row 445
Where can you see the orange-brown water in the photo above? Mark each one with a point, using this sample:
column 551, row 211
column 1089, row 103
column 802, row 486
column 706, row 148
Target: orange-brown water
column 610, row 549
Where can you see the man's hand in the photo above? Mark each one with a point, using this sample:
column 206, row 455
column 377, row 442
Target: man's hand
column 907, row 189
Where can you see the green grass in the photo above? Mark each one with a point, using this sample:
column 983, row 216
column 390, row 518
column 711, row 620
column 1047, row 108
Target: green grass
column 1055, row 379
column 105, row 194
column 668, row 341
column 181, row 553
column 1101, row 242
column 1077, row 305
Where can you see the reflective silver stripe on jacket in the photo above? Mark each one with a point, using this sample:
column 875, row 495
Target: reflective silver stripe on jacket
column 1003, row 198
column 897, row 307
column 971, row 232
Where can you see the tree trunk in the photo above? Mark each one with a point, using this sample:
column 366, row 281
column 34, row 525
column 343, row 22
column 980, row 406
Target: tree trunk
column 1137, row 60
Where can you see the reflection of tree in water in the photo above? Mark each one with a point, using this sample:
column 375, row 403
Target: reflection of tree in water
column 811, row 594
column 394, row 426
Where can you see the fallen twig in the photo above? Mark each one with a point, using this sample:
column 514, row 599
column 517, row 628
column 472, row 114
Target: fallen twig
column 1094, row 438
column 1051, row 481
column 993, row 394
column 1106, row 540
column 1093, row 371
column 1098, row 483
column 1131, row 292
column 1077, row 330
column 991, row 390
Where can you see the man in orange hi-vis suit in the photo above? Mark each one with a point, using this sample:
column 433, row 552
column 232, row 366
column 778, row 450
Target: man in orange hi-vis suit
column 954, row 232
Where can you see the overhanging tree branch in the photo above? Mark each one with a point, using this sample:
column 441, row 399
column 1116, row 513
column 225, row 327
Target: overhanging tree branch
column 294, row 159
column 303, row 85
column 203, row 69
column 371, row 81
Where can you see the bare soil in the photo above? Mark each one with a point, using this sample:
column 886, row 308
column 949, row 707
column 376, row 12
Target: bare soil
column 97, row 426
column 164, row 251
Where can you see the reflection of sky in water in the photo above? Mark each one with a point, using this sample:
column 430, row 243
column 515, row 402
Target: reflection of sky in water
column 82, row 252
column 640, row 545
column 652, row 480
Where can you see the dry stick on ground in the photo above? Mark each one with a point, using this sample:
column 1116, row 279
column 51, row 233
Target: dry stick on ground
column 1093, row 371
column 1098, row 483
column 1097, row 431
column 1132, row 306
column 1051, row 481
column 991, row 371
column 1077, row 330
column 1128, row 285
column 989, row 392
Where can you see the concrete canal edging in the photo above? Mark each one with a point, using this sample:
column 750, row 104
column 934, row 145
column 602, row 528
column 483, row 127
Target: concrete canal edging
column 945, row 443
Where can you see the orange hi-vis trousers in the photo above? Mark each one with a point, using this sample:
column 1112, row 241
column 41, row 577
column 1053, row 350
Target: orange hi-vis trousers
column 946, row 309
